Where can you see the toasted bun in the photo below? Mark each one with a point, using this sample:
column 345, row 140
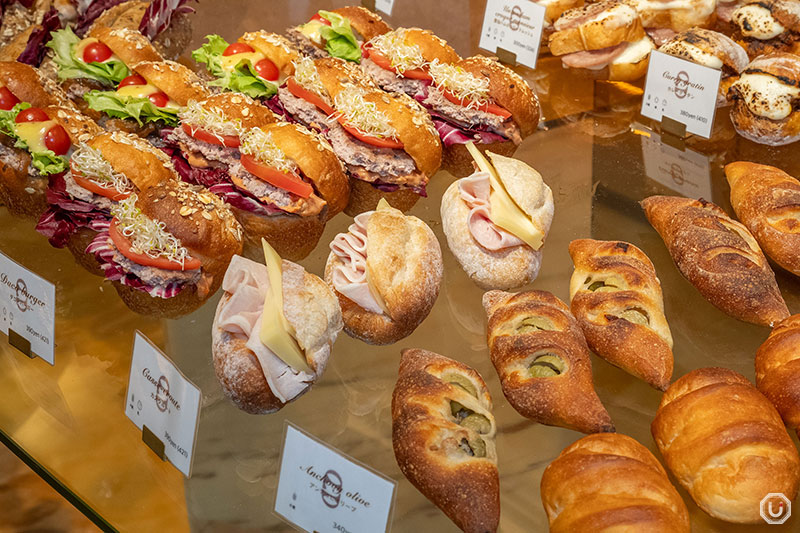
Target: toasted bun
column 582, row 28
column 431, row 46
column 30, row 85
column 128, row 44
column 628, row 71
column 237, row 106
column 185, row 302
column 125, row 15
column 80, row 128
column 141, row 162
column 12, row 49
column 732, row 54
column 335, row 72
column 277, row 48
column 180, row 83
column 293, row 237
column 367, row 23
column 365, row 197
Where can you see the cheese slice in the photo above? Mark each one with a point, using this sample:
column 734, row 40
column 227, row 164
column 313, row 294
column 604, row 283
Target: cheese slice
column 81, row 46
column 504, row 210
column 33, row 134
column 143, row 91
column 312, row 31
column 275, row 331
column 383, row 205
column 228, row 63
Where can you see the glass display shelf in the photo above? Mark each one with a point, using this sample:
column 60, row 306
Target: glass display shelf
column 68, row 422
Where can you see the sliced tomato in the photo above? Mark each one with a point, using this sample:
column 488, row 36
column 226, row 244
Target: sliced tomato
column 321, row 19
column 380, row 142
column 57, row 140
column 238, row 48
column 273, row 176
column 7, row 99
column 231, row 141
column 124, row 246
column 494, row 109
column 89, row 185
column 32, row 114
column 300, row 92
column 384, row 62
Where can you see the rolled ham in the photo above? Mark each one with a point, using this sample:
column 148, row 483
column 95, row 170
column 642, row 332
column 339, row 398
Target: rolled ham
column 475, row 191
column 593, row 59
column 660, row 35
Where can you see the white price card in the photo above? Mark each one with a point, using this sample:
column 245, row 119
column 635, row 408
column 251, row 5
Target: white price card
column 681, row 90
column 160, row 397
column 514, row 25
column 685, row 172
column 320, row 489
column 384, row 6
column 28, row 307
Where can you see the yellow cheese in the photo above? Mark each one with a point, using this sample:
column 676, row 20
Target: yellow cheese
column 33, row 134
column 504, row 210
column 228, row 63
column 81, row 46
column 312, row 31
column 143, row 91
column 275, row 329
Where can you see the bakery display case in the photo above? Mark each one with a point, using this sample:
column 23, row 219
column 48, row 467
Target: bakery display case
column 599, row 156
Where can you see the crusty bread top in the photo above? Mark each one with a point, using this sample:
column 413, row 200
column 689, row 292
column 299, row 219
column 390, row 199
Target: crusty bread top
column 30, row 85
column 614, row 445
column 711, row 42
column 180, row 83
column 80, row 128
column 782, row 65
column 141, row 162
column 430, row 45
column 508, row 89
column 334, row 73
column 699, row 378
column 787, row 12
column 368, row 23
column 277, row 48
column 125, row 15
column 594, row 27
column 128, row 44
column 12, row 49
column 237, row 106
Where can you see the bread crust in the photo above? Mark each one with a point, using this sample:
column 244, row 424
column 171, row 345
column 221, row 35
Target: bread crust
column 628, row 71
column 719, row 257
column 642, row 350
column 277, row 48
column 778, row 368
column 428, row 440
column 457, row 160
column 725, row 443
column 142, row 163
column 240, row 107
column 292, row 236
column 79, row 128
column 697, row 14
column 22, row 194
column 595, row 33
column 180, row 83
column 567, row 399
column 12, row 49
column 608, row 481
column 125, row 15
column 368, row 23
column 30, row 85
column 128, row 44
column 365, row 197
column 430, row 45
column 77, row 244
column 185, row 302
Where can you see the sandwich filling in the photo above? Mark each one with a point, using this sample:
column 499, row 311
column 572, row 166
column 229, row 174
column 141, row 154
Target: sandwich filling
column 31, row 129
column 767, row 96
column 327, row 33
column 86, row 58
column 690, row 52
column 757, row 22
column 624, row 53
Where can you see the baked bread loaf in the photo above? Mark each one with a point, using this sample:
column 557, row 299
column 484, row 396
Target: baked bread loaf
column 616, row 297
column 443, row 434
column 719, row 257
column 386, row 271
column 778, row 368
column 725, row 443
column 610, row 482
column 766, row 200
column 543, row 362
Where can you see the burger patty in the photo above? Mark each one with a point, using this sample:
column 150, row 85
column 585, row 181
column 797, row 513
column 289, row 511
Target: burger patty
column 156, row 277
column 469, row 117
column 389, row 81
column 76, row 191
column 302, row 110
column 304, row 45
column 389, row 163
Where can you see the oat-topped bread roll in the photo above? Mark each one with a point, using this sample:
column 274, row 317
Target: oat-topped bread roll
column 725, row 443
column 719, row 257
column 338, row 33
column 28, row 84
column 778, row 370
column 386, row 271
column 443, row 434
column 543, row 362
column 610, row 482
column 766, row 200
column 273, row 332
column 616, row 297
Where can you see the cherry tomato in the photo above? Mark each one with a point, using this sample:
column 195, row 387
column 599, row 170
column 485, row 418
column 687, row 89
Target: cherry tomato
column 381, row 142
column 203, row 135
column 273, row 176
column 7, row 99
column 32, row 114
column 159, row 99
column 124, row 246
column 267, row 70
column 96, row 53
column 321, row 19
column 485, row 106
column 57, row 140
column 133, row 79
column 300, row 92
column 238, row 48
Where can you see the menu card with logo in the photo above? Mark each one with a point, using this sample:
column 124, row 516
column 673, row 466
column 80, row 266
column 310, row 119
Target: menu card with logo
column 681, row 90
column 320, row 489
column 163, row 399
column 686, row 172
column 385, row 6
column 28, row 309
column 515, row 26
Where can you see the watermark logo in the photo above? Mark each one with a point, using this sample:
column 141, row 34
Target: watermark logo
column 776, row 508
column 331, row 489
column 162, row 394
column 515, row 19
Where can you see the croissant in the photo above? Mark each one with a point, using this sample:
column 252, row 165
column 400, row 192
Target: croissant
column 443, row 434
column 725, row 443
column 617, row 300
column 778, row 370
column 543, row 362
column 610, row 482
column 719, row 257
column 767, row 201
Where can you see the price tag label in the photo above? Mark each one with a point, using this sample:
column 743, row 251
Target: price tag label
column 385, row 6
column 161, row 398
column 685, row 172
column 515, row 26
column 320, row 489
column 681, row 90
column 28, row 307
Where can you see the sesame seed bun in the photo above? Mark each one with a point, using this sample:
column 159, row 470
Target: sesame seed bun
column 237, row 106
column 180, row 83
column 141, row 162
column 368, row 23
column 129, row 45
column 30, row 85
column 277, row 48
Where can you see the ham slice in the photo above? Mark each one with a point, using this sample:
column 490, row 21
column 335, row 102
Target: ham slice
column 350, row 278
column 660, row 35
column 475, row 192
column 593, row 59
column 580, row 16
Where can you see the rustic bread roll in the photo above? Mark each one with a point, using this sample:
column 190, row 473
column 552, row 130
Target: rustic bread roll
column 277, row 48
column 543, row 362
column 443, row 434
column 367, row 23
column 725, row 443
column 180, row 83
column 719, row 257
column 676, row 16
column 430, row 45
column 364, row 197
column 141, row 162
column 237, row 107
column 293, row 237
column 13, row 48
column 79, row 127
column 610, row 482
column 30, row 85
column 778, row 370
column 767, row 200
column 594, row 27
column 127, row 43
column 616, row 297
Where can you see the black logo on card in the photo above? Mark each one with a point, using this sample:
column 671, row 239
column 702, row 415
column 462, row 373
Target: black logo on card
column 331, row 489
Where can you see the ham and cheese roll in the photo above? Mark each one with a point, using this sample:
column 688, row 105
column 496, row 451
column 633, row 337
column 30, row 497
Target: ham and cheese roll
column 767, row 26
column 496, row 221
column 662, row 19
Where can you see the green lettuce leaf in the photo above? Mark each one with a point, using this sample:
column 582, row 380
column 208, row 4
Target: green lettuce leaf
column 7, row 119
column 46, row 162
column 63, row 44
column 140, row 109
column 243, row 78
column 339, row 38
column 210, row 54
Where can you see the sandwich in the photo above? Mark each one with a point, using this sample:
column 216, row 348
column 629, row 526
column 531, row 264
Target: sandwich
column 662, row 19
column 387, row 141
column 283, row 181
column 553, row 10
column 710, row 49
column 273, row 332
column 255, row 65
column 725, row 11
column 605, row 39
column 496, row 221
column 23, row 37
column 386, row 271
column 338, row 33
column 766, row 100
column 20, row 82
column 166, row 248
column 767, row 26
